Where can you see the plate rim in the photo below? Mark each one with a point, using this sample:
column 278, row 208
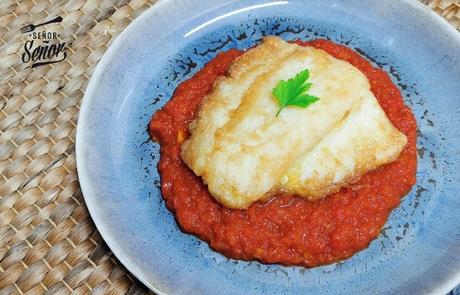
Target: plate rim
column 85, row 110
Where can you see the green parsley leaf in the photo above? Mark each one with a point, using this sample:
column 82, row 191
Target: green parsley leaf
column 293, row 92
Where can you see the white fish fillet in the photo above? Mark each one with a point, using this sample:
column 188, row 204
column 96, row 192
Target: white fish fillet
column 244, row 153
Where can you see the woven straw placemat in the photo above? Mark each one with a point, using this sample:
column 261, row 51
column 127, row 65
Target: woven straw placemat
column 48, row 243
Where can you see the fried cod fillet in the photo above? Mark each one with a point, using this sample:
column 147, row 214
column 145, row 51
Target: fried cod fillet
column 244, row 153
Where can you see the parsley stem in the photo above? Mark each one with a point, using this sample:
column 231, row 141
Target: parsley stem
column 279, row 111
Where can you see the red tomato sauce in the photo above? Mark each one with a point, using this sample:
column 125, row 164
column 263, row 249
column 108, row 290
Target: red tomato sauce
column 286, row 229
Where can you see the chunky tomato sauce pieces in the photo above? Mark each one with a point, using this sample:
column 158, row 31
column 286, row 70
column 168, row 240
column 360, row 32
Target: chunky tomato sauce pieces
column 285, row 229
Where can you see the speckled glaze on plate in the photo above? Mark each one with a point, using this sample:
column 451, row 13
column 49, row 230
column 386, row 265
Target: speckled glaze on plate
column 419, row 248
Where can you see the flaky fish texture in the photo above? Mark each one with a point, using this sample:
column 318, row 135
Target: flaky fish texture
column 244, row 153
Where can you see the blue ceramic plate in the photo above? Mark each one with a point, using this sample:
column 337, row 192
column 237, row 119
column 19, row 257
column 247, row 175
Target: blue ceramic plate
column 419, row 249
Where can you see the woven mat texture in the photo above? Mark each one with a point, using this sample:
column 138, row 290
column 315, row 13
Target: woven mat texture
column 48, row 242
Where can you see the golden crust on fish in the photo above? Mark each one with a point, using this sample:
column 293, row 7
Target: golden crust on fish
column 360, row 143
column 244, row 153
